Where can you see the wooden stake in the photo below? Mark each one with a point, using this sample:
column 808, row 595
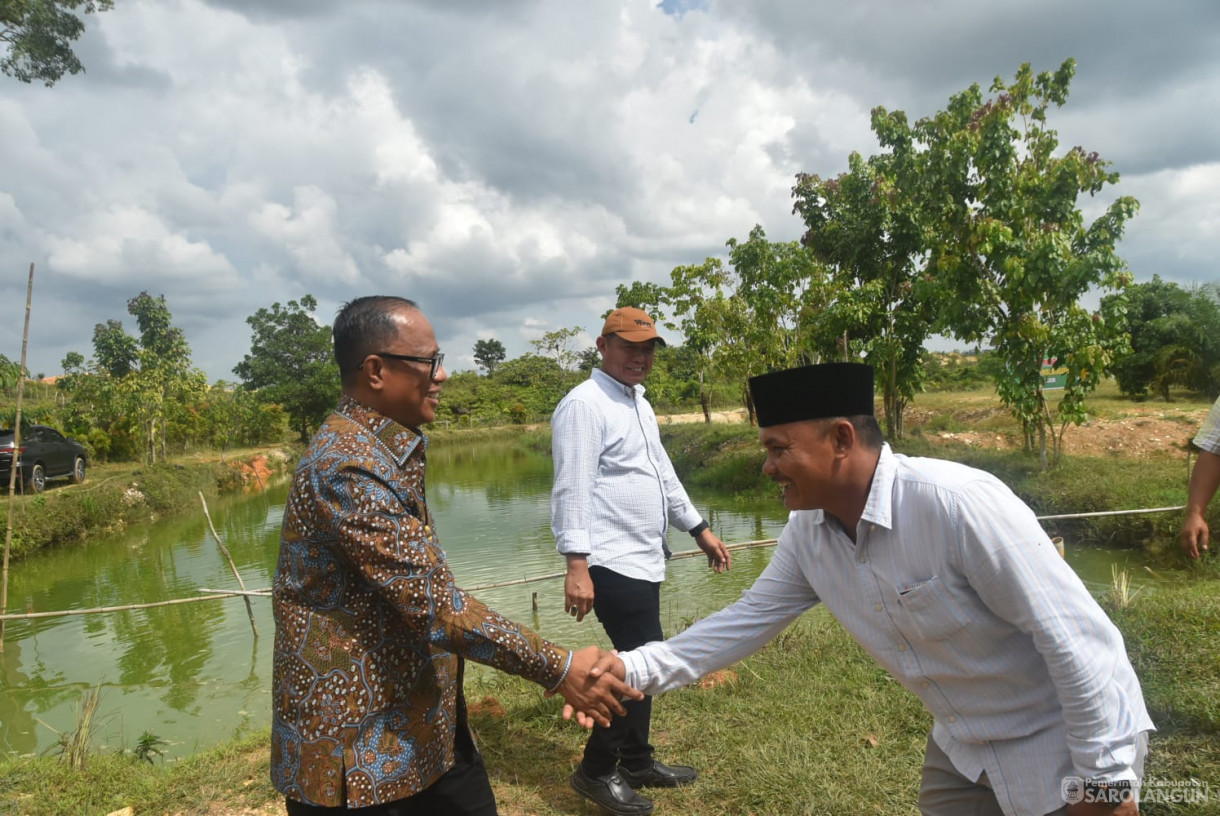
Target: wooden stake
column 223, row 549
column 12, row 476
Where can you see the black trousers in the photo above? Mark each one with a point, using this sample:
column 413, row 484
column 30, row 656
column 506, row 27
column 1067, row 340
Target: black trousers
column 463, row 790
column 630, row 611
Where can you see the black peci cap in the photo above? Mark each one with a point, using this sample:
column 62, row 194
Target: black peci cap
column 812, row 392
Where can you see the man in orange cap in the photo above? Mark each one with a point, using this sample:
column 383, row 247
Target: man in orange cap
column 615, row 496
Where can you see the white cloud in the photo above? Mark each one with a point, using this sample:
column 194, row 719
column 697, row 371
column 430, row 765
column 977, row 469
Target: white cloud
column 507, row 164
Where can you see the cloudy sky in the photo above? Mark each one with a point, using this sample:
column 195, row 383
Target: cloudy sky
column 506, row 163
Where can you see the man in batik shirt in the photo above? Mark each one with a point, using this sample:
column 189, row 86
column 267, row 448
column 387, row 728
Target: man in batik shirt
column 371, row 630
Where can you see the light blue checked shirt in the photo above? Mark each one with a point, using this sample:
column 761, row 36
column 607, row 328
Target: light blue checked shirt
column 615, row 490
column 955, row 589
column 1208, row 437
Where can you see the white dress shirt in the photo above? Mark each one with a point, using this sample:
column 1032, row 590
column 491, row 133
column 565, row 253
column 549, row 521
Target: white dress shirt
column 1208, row 437
column 955, row 589
column 615, row 490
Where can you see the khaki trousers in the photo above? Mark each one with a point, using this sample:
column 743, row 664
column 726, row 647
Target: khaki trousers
column 943, row 791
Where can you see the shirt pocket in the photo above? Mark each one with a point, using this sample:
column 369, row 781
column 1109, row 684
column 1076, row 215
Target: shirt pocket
column 930, row 611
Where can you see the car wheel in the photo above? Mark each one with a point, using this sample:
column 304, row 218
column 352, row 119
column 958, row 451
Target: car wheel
column 78, row 471
column 38, row 480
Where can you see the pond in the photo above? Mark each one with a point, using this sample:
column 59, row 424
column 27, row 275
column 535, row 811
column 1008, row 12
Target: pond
column 194, row 675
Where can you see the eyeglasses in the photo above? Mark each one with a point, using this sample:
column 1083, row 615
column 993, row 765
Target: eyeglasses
column 435, row 362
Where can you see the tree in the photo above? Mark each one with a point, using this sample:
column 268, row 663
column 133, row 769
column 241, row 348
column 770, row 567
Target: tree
column 488, row 354
column 10, row 373
column 1011, row 249
column 166, row 381
column 39, row 36
column 757, row 315
column 115, row 352
column 865, row 225
column 291, row 363
column 1175, row 340
column 558, row 346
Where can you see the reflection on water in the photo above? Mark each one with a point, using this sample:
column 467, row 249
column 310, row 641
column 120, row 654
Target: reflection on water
column 193, row 673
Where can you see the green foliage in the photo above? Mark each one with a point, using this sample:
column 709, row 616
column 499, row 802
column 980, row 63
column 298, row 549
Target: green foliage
column 39, row 36
column 557, row 345
column 291, row 364
column 1010, row 248
column 954, row 371
column 10, row 373
column 1175, row 340
column 148, row 746
column 866, row 225
column 757, row 315
column 488, row 354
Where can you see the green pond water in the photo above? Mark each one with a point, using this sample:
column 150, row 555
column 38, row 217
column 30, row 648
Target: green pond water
column 194, row 674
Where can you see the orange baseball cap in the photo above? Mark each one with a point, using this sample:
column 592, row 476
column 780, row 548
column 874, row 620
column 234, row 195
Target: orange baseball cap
column 631, row 324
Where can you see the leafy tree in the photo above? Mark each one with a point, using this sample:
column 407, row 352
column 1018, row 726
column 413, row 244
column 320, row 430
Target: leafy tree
column 756, row 315
column 865, row 224
column 10, row 373
column 558, row 346
column 488, row 354
column 39, row 34
column 166, row 382
column 1175, row 340
column 537, row 382
column 115, row 352
column 1010, row 247
column 291, row 363
column 589, row 359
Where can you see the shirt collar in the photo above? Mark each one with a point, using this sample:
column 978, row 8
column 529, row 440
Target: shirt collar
column 613, row 386
column 400, row 440
column 879, row 507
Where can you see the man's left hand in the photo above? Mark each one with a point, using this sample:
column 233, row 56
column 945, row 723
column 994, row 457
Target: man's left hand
column 718, row 557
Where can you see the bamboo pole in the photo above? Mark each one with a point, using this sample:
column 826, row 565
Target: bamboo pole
column 12, row 475
column 124, row 608
column 225, row 550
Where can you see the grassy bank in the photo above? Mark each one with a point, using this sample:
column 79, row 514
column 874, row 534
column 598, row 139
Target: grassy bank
column 116, row 495
column 808, row 725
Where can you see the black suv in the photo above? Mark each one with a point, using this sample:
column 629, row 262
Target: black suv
column 45, row 453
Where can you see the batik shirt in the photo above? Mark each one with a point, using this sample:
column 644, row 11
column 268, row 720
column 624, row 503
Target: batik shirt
column 370, row 629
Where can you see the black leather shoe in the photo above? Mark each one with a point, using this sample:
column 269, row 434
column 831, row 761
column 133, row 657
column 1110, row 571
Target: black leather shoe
column 611, row 792
column 659, row 775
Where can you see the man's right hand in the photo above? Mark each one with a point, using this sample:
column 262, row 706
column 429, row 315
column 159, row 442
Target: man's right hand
column 1194, row 534
column 594, row 697
column 578, row 587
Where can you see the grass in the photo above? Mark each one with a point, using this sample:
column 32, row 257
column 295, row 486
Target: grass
column 810, row 724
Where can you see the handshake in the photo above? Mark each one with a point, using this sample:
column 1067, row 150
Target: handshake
column 594, row 687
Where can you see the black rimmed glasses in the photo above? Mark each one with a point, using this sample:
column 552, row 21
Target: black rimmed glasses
column 436, row 362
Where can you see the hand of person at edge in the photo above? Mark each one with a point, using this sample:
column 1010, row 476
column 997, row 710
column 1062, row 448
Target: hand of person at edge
column 594, row 698
column 718, row 557
column 1194, row 535
column 578, row 588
